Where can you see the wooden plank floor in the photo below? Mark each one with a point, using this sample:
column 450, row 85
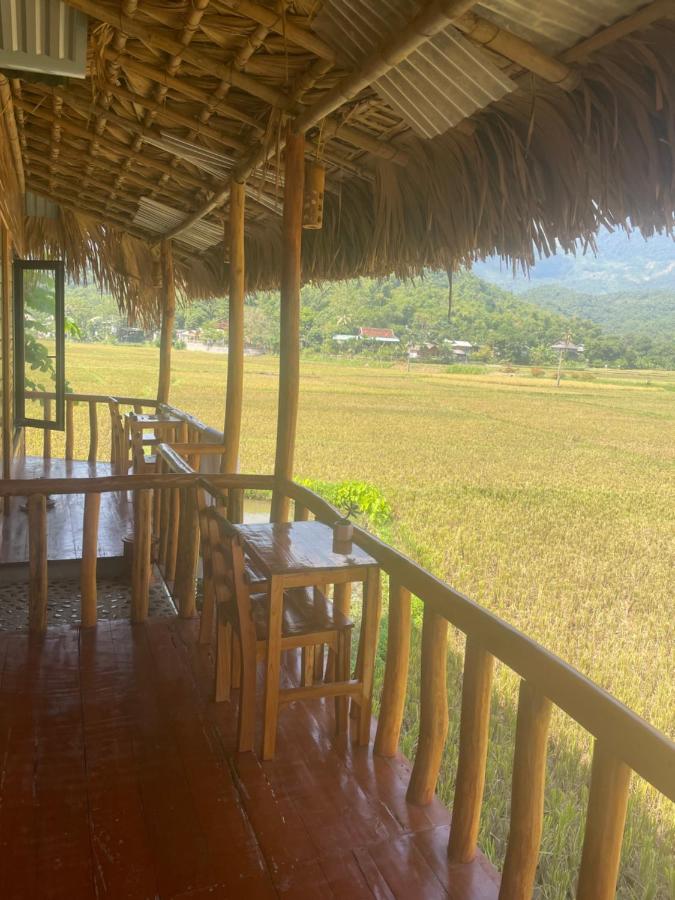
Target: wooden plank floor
column 64, row 522
column 119, row 779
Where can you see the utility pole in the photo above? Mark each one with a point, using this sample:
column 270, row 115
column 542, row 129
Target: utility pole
column 567, row 341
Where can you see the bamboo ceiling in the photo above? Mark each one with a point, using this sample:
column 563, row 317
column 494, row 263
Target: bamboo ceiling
column 506, row 131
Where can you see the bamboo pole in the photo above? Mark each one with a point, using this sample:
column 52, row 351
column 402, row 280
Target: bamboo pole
column 235, row 344
column 47, row 432
column 289, row 351
column 37, row 562
column 527, row 794
column 93, row 431
column 5, row 339
column 473, row 744
column 88, row 589
column 168, row 318
column 433, row 709
column 607, row 804
column 141, row 566
column 187, row 555
column 395, row 671
column 70, row 429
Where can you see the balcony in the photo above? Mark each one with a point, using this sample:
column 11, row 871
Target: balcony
column 121, row 776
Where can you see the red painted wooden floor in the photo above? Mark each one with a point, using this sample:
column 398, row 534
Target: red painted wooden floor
column 64, row 522
column 118, row 779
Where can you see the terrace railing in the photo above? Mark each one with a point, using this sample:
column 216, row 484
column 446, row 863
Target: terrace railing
column 624, row 742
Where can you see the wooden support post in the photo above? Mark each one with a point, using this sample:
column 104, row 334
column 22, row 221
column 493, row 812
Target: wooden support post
column 527, row 794
column 70, row 429
column 141, row 566
column 395, row 671
column 37, row 562
column 433, row 709
column 168, row 318
column 88, row 591
column 473, row 743
column 5, row 358
column 235, row 346
column 289, row 350
column 47, row 432
column 173, row 528
column 93, row 431
column 607, row 804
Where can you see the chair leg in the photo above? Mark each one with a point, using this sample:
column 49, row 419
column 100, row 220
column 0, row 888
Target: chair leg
column 246, row 720
column 343, row 663
column 236, row 663
column 223, row 660
column 206, row 618
column 307, row 666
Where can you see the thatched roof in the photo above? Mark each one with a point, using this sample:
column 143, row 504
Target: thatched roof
column 507, row 131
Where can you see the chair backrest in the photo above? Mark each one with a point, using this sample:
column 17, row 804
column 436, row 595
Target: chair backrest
column 117, row 438
column 224, row 564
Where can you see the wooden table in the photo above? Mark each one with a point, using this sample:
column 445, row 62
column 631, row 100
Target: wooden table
column 301, row 554
column 159, row 423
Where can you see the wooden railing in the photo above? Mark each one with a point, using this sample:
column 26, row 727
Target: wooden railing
column 97, row 406
column 624, row 742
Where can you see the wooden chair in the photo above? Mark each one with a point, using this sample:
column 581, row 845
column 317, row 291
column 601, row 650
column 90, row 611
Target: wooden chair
column 309, row 620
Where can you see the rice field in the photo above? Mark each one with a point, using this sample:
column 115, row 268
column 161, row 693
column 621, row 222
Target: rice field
column 555, row 508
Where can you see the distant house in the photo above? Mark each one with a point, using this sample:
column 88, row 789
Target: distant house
column 380, row 335
column 426, row 350
column 567, row 347
column 460, row 349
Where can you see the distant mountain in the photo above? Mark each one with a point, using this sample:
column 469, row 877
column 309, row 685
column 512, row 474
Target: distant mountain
column 641, row 312
column 622, row 264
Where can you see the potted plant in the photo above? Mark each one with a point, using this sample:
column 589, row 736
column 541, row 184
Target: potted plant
column 343, row 530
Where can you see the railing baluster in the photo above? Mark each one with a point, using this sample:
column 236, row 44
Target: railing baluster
column 607, row 803
column 93, row 431
column 300, row 512
column 473, row 744
column 88, row 589
column 172, row 535
column 527, row 794
column 70, row 429
column 188, row 555
column 47, row 432
column 395, row 671
column 37, row 557
column 433, row 709
column 141, row 567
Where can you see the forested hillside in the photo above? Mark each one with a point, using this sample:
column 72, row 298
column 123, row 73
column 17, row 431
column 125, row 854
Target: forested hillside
column 630, row 312
column 501, row 326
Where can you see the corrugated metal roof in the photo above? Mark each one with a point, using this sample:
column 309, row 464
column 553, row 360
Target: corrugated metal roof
column 39, row 206
column 555, row 25
column 439, row 84
column 154, row 216
column 43, row 36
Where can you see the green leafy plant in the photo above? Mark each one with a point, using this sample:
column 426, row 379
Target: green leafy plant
column 356, row 498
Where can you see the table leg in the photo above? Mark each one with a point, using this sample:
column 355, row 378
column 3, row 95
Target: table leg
column 272, row 666
column 369, row 626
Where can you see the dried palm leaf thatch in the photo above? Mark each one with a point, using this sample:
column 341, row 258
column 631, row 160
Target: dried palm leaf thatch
column 536, row 171
column 12, row 184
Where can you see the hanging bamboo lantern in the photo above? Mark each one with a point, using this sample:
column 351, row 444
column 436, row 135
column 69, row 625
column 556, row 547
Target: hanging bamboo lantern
column 315, row 181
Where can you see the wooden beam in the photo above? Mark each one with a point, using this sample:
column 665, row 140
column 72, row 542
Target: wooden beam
column 235, row 342
column 181, row 86
column 643, row 18
column 289, row 350
column 114, row 146
column 161, row 41
column 283, row 25
column 168, row 319
column 523, row 53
